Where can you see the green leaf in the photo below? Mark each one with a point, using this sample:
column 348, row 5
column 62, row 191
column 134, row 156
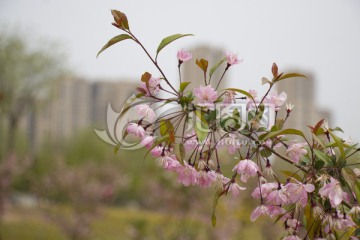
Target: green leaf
column 264, row 81
column 242, row 92
column 139, row 95
column 318, row 140
column 265, row 153
column 282, row 132
column 319, row 165
column 339, row 144
column 120, row 19
column 322, row 156
column 116, row 149
column 215, row 202
column 183, row 85
column 337, row 129
column 166, row 127
column 179, row 151
column 216, row 66
column 202, row 130
column 203, row 64
column 289, row 75
column 170, row 39
column 114, row 40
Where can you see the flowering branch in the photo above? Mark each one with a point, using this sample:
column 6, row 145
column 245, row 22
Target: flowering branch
column 204, row 125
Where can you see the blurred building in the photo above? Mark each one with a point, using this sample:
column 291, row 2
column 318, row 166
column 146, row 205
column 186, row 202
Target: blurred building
column 76, row 105
column 302, row 93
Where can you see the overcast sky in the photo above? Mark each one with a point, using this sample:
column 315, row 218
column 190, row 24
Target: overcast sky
column 321, row 37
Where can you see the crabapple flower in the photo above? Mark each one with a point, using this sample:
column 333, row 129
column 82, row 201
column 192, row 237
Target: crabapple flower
column 275, row 100
column 148, row 141
column 206, row 96
column 271, row 211
column 229, row 97
column 298, row 192
column 151, row 88
column 296, row 151
column 333, row 191
column 357, row 172
column 274, row 211
column 187, row 175
column 246, row 168
column 289, row 107
column 231, row 142
column 235, row 189
column 157, row 151
column 292, row 237
column 277, row 197
column 136, row 130
column 144, row 110
column 266, row 189
column 250, row 103
column 191, row 141
column 169, row 162
column 206, row 178
column 183, row 55
column 232, row 58
column 260, row 210
column 253, row 93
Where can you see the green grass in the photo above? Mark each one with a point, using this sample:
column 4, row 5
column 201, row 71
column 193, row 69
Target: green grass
column 122, row 223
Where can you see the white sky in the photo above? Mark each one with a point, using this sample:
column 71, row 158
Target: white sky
column 317, row 36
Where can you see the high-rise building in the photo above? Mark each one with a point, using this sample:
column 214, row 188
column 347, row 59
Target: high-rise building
column 76, row 105
column 301, row 93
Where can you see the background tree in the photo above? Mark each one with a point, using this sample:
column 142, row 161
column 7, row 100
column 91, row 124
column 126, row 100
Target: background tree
column 27, row 74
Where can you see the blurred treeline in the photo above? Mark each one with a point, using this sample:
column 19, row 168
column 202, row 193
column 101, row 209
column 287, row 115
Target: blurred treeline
column 79, row 189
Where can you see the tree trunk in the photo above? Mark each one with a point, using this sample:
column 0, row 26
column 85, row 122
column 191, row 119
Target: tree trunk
column 13, row 121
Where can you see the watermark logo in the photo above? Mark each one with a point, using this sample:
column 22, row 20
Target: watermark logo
column 227, row 118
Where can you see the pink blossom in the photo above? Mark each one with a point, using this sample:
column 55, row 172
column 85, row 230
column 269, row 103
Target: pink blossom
column 152, row 88
column 191, row 141
column 136, row 130
column 296, row 151
column 275, row 100
column 289, row 107
column 206, row 96
column 271, row 211
column 298, row 192
column 333, row 191
column 232, row 58
column 277, row 197
column 231, row 142
column 144, row 110
column 274, row 211
column 206, row 178
column 229, row 97
column 253, row 93
column 339, row 222
column 235, row 189
column 156, row 151
column 246, row 168
column 292, row 237
column 293, row 223
column 148, row 141
column 187, row 175
column 269, row 143
column 250, row 104
column 183, row 55
column 260, row 210
column 266, row 189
